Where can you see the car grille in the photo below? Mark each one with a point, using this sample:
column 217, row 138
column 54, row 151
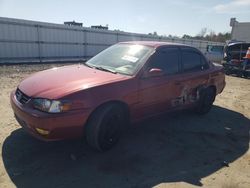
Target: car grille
column 21, row 97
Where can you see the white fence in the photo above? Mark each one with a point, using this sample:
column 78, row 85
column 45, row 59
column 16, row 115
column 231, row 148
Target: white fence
column 31, row 41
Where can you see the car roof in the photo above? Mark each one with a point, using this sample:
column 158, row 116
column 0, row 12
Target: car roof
column 235, row 43
column 154, row 44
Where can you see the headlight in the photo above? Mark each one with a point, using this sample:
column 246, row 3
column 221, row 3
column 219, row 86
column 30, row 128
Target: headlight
column 51, row 106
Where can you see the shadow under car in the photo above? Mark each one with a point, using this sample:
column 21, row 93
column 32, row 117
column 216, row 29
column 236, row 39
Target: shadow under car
column 171, row 148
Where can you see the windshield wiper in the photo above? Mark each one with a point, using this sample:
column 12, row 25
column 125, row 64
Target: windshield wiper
column 105, row 69
column 85, row 63
column 100, row 68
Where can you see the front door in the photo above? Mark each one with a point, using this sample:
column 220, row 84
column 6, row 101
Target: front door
column 157, row 94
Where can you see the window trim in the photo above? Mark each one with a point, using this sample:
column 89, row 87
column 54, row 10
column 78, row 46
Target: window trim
column 193, row 50
column 166, row 48
column 206, row 62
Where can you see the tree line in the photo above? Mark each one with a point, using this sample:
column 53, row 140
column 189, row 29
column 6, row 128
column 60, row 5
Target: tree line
column 204, row 34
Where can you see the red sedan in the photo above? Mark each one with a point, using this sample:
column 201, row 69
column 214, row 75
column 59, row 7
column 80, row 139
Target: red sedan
column 125, row 83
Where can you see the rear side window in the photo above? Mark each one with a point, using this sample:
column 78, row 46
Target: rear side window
column 204, row 64
column 167, row 60
column 193, row 61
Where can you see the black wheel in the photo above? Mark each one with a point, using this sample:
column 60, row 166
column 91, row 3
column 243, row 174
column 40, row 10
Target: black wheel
column 205, row 103
column 245, row 74
column 105, row 126
column 227, row 70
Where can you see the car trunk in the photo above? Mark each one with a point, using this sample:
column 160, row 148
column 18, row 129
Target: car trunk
column 236, row 52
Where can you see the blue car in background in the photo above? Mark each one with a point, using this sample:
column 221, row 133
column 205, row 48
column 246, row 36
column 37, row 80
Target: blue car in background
column 214, row 53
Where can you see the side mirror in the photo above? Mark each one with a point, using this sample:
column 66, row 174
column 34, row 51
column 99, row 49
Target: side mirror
column 154, row 72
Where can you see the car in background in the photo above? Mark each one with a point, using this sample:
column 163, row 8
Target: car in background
column 214, row 53
column 125, row 83
column 234, row 54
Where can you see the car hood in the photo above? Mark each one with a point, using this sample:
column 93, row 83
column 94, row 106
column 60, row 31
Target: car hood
column 58, row 82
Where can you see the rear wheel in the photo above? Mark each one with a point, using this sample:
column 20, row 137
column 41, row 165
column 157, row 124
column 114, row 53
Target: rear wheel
column 105, row 126
column 227, row 70
column 245, row 74
column 205, row 103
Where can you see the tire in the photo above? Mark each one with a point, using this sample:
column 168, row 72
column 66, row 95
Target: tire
column 227, row 71
column 105, row 126
column 245, row 74
column 205, row 103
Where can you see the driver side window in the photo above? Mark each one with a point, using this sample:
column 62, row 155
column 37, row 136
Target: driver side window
column 167, row 60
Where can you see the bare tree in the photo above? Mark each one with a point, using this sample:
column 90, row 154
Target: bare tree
column 203, row 32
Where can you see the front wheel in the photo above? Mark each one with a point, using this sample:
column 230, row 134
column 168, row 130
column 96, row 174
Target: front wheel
column 105, row 127
column 205, row 103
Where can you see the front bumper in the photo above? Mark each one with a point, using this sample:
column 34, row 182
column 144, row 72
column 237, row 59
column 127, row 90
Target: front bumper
column 59, row 126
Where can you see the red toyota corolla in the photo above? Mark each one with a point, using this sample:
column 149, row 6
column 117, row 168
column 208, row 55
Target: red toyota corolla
column 127, row 82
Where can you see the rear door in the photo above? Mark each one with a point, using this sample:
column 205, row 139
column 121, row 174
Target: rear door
column 194, row 74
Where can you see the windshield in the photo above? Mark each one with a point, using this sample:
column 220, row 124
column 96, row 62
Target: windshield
column 121, row 58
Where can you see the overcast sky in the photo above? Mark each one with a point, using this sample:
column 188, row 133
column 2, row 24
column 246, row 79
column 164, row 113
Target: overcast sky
column 176, row 17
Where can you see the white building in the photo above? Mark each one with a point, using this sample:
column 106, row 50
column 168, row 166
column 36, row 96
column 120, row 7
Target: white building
column 240, row 30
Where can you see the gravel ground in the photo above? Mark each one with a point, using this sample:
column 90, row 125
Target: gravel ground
column 175, row 150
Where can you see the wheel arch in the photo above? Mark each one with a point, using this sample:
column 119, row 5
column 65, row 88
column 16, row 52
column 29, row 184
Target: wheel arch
column 120, row 103
column 213, row 87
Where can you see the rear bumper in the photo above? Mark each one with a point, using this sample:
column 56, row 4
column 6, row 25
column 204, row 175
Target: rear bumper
column 60, row 126
column 241, row 67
